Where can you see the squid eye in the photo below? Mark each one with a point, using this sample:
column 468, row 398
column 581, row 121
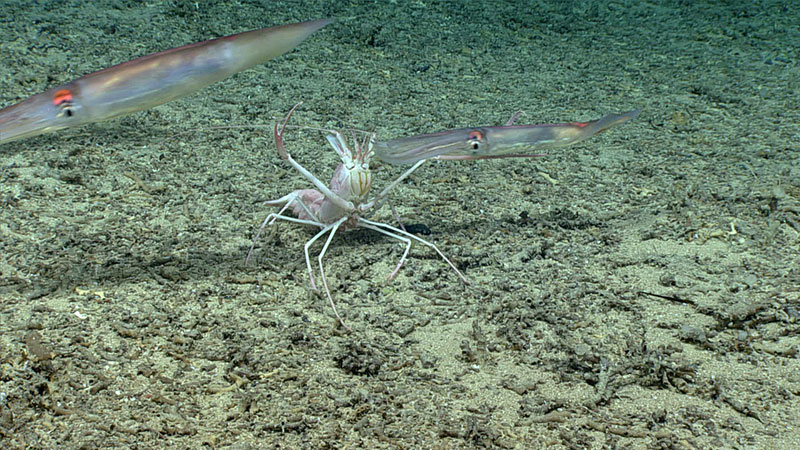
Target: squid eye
column 475, row 138
column 63, row 99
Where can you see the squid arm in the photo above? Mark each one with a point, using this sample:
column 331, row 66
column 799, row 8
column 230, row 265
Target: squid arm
column 494, row 142
column 148, row 81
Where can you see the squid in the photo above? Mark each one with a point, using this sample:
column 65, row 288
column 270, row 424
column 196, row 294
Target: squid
column 148, row 81
column 493, row 142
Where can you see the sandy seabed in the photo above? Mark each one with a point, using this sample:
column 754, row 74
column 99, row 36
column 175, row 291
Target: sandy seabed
column 637, row 290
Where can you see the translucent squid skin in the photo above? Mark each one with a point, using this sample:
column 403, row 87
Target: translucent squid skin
column 494, row 142
column 148, row 81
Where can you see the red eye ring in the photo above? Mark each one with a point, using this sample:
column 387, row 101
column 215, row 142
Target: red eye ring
column 62, row 96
